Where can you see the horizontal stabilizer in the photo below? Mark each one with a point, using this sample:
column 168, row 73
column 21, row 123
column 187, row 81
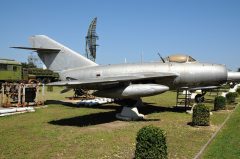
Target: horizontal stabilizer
column 38, row 49
column 56, row 56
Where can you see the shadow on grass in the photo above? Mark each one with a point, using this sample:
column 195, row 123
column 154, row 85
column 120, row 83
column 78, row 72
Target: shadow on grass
column 149, row 109
column 109, row 116
column 74, row 105
column 196, row 126
column 209, row 101
column 87, row 120
column 60, row 102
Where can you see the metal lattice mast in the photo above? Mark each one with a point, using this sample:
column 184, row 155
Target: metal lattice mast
column 91, row 39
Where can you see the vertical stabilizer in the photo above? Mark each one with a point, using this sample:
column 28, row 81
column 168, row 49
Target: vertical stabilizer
column 57, row 57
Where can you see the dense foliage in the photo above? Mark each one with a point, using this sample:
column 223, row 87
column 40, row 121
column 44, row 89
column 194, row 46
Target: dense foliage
column 151, row 143
column 219, row 103
column 201, row 115
column 238, row 90
column 231, row 97
column 28, row 65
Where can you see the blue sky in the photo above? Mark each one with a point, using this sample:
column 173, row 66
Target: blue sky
column 208, row 30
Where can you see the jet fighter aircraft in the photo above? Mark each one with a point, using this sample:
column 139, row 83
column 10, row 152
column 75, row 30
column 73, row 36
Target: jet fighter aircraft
column 127, row 81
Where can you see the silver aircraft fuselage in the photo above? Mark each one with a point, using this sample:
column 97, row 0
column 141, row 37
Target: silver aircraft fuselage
column 128, row 80
column 189, row 74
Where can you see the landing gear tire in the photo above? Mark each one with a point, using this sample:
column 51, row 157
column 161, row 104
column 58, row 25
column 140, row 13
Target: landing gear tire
column 199, row 98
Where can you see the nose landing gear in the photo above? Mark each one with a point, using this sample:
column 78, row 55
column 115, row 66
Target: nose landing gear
column 199, row 98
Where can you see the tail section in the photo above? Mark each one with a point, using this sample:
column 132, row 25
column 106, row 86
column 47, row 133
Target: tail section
column 57, row 57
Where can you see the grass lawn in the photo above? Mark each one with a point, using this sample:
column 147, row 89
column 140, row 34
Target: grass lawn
column 227, row 142
column 65, row 131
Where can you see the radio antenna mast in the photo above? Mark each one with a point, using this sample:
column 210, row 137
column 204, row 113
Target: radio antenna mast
column 91, row 39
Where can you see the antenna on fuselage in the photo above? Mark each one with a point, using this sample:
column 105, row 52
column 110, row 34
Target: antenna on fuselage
column 161, row 57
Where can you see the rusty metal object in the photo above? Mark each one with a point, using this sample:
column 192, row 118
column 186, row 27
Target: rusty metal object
column 21, row 95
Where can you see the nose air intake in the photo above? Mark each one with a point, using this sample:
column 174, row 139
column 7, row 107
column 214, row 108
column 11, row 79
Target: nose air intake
column 233, row 77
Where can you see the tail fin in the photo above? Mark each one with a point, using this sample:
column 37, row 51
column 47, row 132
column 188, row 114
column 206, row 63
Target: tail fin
column 57, row 57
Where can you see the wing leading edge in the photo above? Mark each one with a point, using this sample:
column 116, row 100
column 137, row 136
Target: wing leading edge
column 118, row 79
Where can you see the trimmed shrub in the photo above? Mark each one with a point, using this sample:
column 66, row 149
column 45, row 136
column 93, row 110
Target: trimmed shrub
column 231, row 97
column 151, row 143
column 201, row 115
column 219, row 103
column 238, row 90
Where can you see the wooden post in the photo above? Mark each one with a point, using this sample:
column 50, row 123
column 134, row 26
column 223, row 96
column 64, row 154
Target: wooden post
column 19, row 95
column 37, row 96
column 23, row 95
column 2, row 93
column 43, row 94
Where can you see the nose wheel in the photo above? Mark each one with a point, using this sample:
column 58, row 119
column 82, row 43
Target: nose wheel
column 199, row 98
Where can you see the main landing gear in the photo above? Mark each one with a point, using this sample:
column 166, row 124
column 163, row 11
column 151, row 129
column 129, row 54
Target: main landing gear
column 130, row 111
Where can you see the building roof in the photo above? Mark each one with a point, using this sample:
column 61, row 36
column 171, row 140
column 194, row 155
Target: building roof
column 9, row 61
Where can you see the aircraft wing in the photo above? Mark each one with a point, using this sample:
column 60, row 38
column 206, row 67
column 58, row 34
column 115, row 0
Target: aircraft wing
column 204, row 88
column 115, row 79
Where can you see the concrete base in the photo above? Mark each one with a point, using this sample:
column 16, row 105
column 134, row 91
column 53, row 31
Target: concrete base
column 129, row 113
column 224, row 94
column 191, row 111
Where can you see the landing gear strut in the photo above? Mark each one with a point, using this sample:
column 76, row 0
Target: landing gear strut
column 130, row 112
column 199, row 98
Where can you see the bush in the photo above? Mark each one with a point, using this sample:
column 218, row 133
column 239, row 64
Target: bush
column 219, row 103
column 201, row 115
column 151, row 143
column 238, row 90
column 231, row 97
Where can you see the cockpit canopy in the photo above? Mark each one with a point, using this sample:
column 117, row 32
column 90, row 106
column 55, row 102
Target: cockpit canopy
column 180, row 58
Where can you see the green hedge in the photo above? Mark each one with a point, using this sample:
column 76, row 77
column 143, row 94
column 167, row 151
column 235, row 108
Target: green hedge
column 201, row 115
column 220, row 103
column 231, row 97
column 151, row 143
column 238, row 90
